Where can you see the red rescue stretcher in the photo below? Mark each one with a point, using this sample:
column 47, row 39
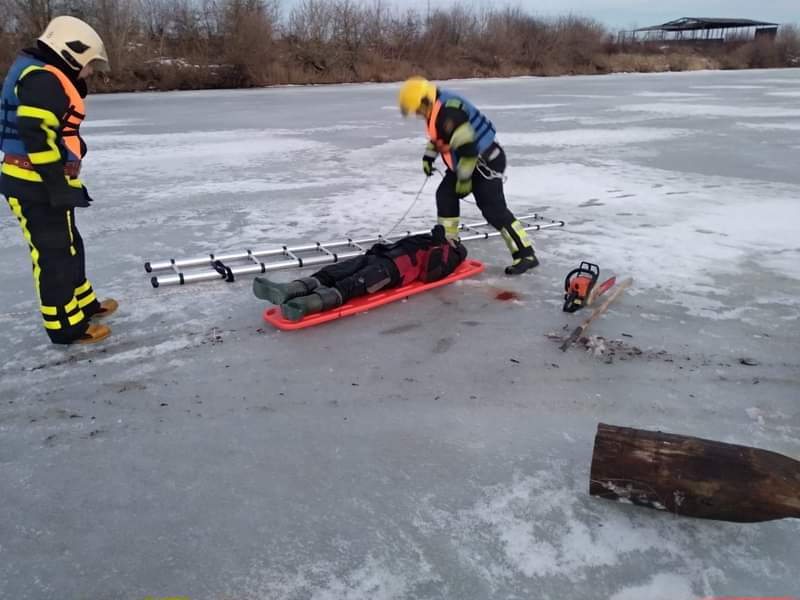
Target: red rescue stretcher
column 362, row 304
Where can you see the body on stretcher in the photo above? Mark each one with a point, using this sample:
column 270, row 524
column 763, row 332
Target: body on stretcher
column 362, row 304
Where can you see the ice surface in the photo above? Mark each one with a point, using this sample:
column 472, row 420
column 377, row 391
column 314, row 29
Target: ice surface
column 435, row 448
column 712, row 110
column 661, row 586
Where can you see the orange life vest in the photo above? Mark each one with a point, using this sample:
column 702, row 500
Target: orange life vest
column 442, row 146
column 72, row 119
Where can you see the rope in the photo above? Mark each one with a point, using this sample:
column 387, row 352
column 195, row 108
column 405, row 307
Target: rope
column 408, row 210
column 482, row 167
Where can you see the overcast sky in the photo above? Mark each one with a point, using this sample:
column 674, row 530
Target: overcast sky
column 623, row 14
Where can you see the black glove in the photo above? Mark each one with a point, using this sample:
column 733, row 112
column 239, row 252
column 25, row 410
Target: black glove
column 69, row 198
column 427, row 165
column 86, row 195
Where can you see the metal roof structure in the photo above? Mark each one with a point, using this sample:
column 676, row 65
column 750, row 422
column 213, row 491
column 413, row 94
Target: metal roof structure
column 698, row 24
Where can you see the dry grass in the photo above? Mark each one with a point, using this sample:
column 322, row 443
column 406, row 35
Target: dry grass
column 628, row 62
column 186, row 44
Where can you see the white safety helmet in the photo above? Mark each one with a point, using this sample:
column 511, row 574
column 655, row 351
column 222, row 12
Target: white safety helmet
column 76, row 42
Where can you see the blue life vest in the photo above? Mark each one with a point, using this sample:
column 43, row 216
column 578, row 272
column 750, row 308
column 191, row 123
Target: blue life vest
column 484, row 130
column 9, row 134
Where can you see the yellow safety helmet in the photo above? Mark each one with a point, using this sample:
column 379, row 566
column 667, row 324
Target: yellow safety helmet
column 413, row 92
column 76, row 42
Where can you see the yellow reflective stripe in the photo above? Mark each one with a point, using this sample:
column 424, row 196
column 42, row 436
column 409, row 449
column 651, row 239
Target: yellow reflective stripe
column 83, row 288
column 50, row 124
column 37, row 271
column 29, row 69
column 76, row 318
column 72, row 250
column 45, row 157
column 34, row 112
column 73, row 319
column 28, row 175
column 73, row 304
column 464, row 134
column 512, row 245
column 20, row 173
column 25, row 71
column 523, row 235
column 83, row 302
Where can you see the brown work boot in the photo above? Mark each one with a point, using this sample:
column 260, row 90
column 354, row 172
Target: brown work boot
column 107, row 308
column 93, row 334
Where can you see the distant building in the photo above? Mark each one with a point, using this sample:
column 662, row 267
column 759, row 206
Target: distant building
column 700, row 31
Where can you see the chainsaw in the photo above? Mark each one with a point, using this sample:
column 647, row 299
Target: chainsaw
column 580, row 286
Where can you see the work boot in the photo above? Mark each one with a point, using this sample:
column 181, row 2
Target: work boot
column 107, row 308
column 521, row 248
column 278, row 293
column 323, row 299
column 93, row 334
column 522, row 264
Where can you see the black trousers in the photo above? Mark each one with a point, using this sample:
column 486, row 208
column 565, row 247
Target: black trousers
column 489, row 197
column 360, row 276
column 67, row 300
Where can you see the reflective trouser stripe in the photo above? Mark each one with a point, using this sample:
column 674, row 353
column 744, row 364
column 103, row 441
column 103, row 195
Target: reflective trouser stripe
column 54, row 317
column 72, row 249
column 510, row 242
column 71, row 306
column 72, row 319
column 85, row 294
column 52, row 324
column 76, row 318
column 522, row 234
column 37, row 271
column 516, row 237
column 86, row 300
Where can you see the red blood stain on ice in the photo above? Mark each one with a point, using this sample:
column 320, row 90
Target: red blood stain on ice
column 506, row 295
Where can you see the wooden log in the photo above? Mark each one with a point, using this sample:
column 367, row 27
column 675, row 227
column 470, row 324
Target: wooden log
column 694, row 477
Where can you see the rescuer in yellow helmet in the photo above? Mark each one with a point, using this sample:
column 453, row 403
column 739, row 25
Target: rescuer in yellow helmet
column 475, row 162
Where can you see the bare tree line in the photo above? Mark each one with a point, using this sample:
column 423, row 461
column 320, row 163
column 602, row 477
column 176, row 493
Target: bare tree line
column 169, row 44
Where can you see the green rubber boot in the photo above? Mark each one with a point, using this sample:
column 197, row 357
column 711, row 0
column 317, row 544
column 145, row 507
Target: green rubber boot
column 278, row 293
column 323, row 299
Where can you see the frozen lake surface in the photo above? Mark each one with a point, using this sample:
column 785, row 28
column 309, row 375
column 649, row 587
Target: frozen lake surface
column 438, row 447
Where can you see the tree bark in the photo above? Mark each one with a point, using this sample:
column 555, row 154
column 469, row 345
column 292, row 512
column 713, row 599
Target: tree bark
column 694, row 477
